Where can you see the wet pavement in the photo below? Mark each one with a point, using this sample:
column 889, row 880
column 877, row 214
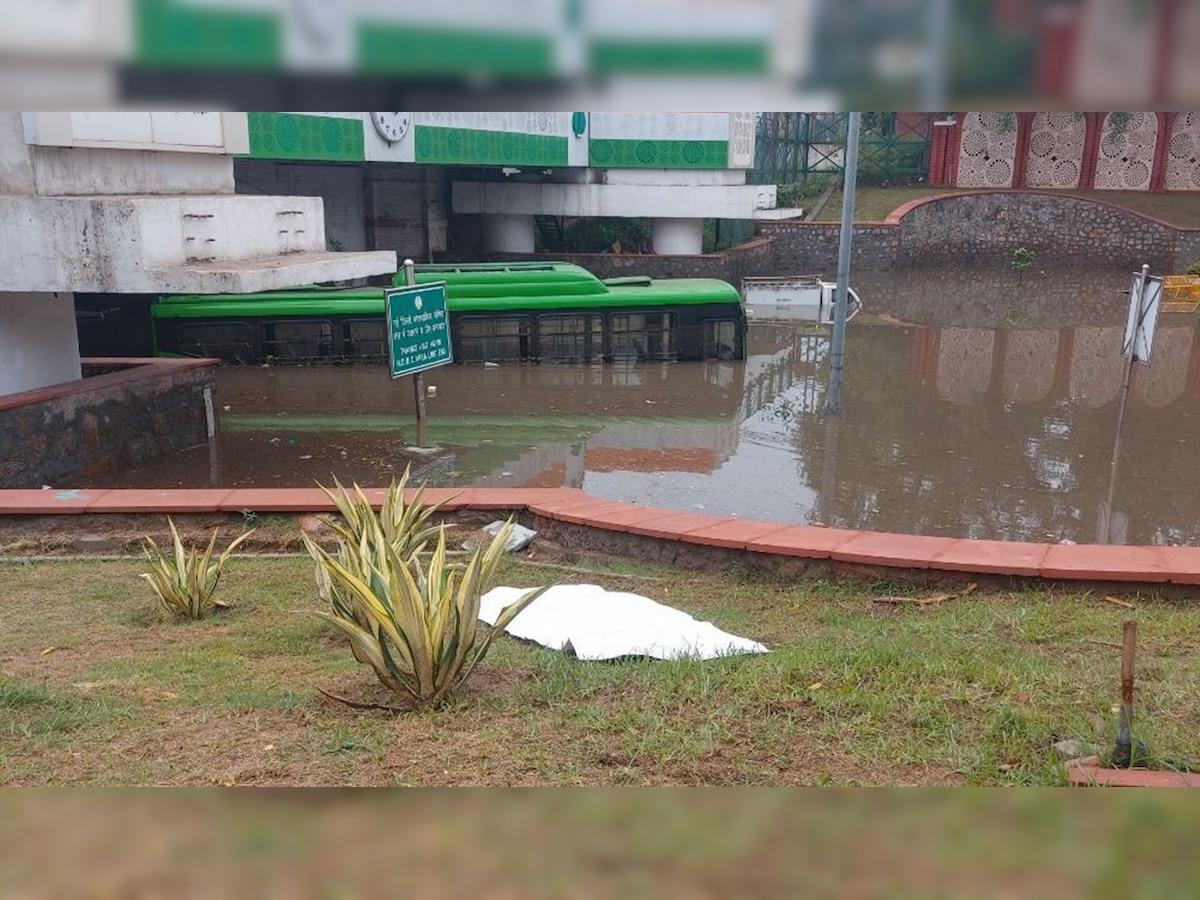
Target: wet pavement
column 1003, row 428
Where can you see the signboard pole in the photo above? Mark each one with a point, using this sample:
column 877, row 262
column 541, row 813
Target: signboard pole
column 837, row 346
column 1130, row 343
column 410, row 279
column 418, row 330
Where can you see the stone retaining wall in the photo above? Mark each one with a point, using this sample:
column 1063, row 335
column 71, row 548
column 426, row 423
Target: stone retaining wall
column 804, row 248
column 979, row 229
column 136, row 409
column 1062, row 230
column 984, row 228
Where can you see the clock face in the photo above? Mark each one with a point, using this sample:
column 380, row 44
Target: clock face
column 392, row 126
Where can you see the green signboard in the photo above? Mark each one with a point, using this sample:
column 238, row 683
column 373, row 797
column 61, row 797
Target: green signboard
column 418, row 328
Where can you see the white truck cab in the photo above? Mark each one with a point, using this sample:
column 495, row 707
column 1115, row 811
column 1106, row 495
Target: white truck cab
column 794, row 298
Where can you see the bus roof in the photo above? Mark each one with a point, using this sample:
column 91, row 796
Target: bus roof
column 473, row 287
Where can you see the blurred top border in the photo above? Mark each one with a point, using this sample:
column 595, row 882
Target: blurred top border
column 602, row 54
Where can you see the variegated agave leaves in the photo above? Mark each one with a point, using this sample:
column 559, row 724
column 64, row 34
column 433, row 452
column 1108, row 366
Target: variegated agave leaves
column 416, row 625
column 405, row 525
column 185, row 580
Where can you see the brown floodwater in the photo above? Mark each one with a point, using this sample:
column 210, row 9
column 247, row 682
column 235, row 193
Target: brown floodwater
column 1003, row 428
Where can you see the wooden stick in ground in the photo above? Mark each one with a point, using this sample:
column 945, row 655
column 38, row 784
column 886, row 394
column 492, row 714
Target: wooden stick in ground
column 1128, row 647
column 1119, row 602
column 1123, row 748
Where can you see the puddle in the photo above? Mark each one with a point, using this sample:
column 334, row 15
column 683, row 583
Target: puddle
column 988, row 431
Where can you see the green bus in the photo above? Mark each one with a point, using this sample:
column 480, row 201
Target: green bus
column 541, row 312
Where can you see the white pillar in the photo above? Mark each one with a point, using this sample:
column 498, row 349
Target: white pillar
column 508, row 233
column 39, row 345
column 678, row 236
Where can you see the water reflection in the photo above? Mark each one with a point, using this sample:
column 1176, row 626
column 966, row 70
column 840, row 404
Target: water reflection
column 983, row 432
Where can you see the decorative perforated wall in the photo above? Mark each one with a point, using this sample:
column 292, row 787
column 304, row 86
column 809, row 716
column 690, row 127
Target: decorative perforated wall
column 1127, row 151
column 1056, row 150
column 988, row 149
column 1183, row 161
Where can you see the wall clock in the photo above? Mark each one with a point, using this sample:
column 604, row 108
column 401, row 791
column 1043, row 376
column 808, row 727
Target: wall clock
column 391, row 126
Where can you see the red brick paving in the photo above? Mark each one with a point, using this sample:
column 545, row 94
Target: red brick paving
column 1095, row 775
column 1077, row 562
column 674, row 525
column 1101, row 562
column 586, row 513
column 875, row 548
column 802, row 540
column 165, row 501
column 276, row 500
column 996, row 557
column 33, row 501
column 622, row 519
column 735, row 533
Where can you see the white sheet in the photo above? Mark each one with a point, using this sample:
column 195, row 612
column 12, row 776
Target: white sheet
column 600, row 624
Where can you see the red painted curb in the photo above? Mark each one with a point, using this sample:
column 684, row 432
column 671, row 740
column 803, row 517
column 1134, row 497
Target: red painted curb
column 1068, row 562
column 1095, row 775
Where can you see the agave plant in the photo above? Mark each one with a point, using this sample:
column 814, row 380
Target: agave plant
column 183, row 579
column 404, row 525
column 415, row 623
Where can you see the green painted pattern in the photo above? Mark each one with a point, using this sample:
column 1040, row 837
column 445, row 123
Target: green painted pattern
column 294, row 136
column 608, row 57
column 423, row 50
column 649, row 154
column 470, row 147
column 173, row 35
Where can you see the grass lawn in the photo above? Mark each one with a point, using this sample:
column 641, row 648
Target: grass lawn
column 95, row 689
column 874, row 204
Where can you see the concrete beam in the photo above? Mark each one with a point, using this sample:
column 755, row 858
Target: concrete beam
column 271, row 273
column 179, row 243
column 679, row 200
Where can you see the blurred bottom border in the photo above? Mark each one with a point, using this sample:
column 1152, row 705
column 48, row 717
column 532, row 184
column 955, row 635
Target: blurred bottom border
column 719, row 842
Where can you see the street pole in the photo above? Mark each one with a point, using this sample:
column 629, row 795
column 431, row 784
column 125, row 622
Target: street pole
column 937, row 30
column 410, row 279
column 1112, row 477
column 837, row 353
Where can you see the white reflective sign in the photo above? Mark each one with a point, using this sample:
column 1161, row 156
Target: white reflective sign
column 1142, row 319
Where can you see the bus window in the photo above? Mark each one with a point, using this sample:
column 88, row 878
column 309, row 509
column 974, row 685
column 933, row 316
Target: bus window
column 233, row 341
column 366, row 339
column 643, row 335
column 570, row 337
column 490, row 338
column 297, row 340
column 720, row 339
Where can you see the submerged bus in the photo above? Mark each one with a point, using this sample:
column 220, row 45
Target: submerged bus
column 541, row 312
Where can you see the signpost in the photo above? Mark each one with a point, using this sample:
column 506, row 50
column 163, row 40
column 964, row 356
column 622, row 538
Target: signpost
column 1145, row 297
column 837, row 347
column 418, row 328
